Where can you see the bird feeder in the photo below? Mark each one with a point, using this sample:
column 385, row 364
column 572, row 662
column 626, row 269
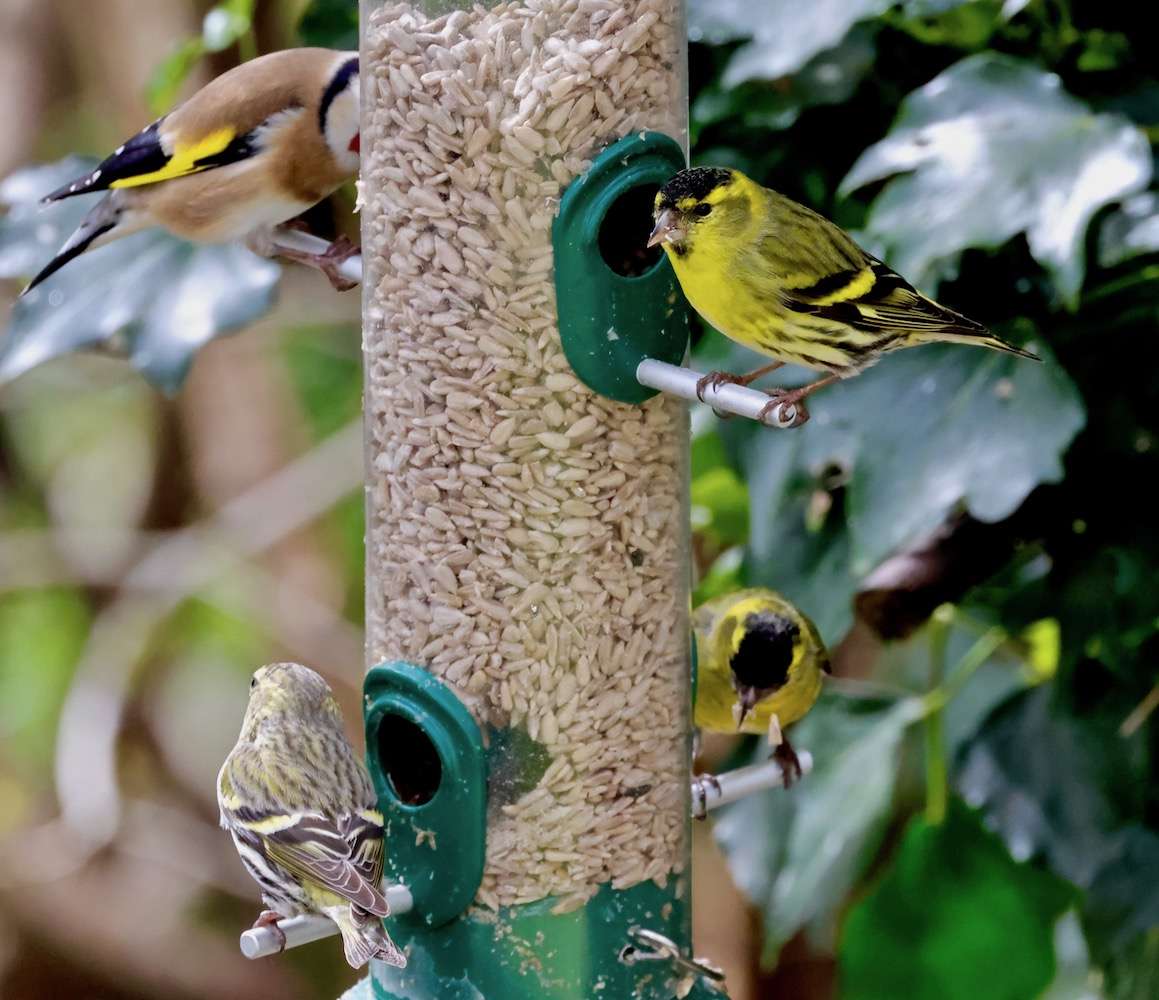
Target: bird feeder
column 527, row 709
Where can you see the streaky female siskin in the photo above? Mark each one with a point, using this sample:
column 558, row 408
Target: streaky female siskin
column 783, row 281
column 759, row 667
column 248, row 152
column 302, row 812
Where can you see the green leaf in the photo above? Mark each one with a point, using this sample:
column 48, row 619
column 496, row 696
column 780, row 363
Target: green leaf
column 796, row 854
column 1050, row 786
column 1130, row 230
column 830, row 77
column 1122, row 906
column 785, row 35
column 720, row 503
column 327, row 380
column 41, row 635
column 223, row 25
column 991, row 148
column 152, row 297
column 887, row 456
column 955, row 918
column 1007, row 670
column 332, row 24
column 168, row 78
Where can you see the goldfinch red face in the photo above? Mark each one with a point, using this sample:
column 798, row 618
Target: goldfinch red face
column 339, row 111
column 697, row 203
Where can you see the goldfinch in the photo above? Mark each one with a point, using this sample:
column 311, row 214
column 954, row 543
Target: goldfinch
column 302, row 812
column 248, row 152
column 785, row 282
column 759, row 667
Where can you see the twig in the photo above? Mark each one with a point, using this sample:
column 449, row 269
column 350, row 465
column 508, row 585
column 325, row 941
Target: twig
column 937, row 777
column 1140, row 713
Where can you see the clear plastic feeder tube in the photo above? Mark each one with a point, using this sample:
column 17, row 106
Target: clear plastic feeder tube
column 527, row 539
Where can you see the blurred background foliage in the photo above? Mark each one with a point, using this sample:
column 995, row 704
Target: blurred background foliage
column 973, row 534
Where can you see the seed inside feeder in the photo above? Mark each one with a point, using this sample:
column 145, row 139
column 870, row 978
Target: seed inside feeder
column 503, row 484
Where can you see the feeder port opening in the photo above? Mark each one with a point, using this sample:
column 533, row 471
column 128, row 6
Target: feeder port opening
column 409, row 760
column 624, row 233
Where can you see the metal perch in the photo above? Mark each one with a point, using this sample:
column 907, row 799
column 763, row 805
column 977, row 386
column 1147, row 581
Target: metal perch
column 713, row 791
column 260, row 942
column 735, row 400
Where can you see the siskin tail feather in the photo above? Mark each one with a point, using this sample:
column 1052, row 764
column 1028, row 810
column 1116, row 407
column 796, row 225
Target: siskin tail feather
column 986, row 339
column 365, row 938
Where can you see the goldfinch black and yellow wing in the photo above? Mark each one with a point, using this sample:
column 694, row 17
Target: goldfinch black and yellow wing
column 223, row 123
column 152, row 156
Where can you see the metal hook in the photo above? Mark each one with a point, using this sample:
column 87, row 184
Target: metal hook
column 652, row 946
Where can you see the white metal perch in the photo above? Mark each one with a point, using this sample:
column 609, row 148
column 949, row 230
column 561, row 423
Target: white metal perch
column 735, row 400
column 259, row 942
column 713, row 791
column 293, row 239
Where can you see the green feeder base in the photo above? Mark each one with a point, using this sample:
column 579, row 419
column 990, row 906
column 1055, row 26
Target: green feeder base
column 528, row 953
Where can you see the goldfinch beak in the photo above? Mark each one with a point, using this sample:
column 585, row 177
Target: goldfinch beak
column 667, row 228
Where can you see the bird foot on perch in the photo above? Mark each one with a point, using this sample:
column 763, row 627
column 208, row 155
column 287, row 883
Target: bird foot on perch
column 700, row 785
column 714, row 380
column 786, row 757
column 786, row 400
column 268, row 918
column 329, row 262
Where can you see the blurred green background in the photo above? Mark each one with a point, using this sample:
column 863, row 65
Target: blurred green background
column 973, row 534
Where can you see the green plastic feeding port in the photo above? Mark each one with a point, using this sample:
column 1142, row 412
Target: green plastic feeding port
column 618, row 301
column 426, row 759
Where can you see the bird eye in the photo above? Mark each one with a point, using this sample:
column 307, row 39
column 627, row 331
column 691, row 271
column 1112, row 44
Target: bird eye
column 253, row 683
column 702, row 209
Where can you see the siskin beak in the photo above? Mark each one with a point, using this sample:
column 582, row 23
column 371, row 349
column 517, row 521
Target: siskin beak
column 747, row 697
column 667, row 225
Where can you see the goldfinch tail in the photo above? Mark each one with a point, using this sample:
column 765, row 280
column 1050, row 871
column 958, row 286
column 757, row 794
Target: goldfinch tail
column 986, row 339
column 106, row 222
column 364, row 938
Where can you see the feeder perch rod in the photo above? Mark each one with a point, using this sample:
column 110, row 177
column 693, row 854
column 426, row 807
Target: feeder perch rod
column 259, row 942
column 293, row 239
column 737, row 400
column 738, row 784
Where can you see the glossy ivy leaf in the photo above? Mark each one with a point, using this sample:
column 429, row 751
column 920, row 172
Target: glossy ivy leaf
column 332, row 24
column 1123, row 899
column 1051, row 786
column 796, row 854
column 887, row 456
column 991, row 148
column 953, row 908
column 830, row 77
column 151, row 297
column 1130, row 230
column 784, row 35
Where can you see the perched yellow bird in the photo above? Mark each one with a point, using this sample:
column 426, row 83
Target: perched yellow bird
column 759, row 667
column 303, row 813
column 248, row 152
column 786, row 282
